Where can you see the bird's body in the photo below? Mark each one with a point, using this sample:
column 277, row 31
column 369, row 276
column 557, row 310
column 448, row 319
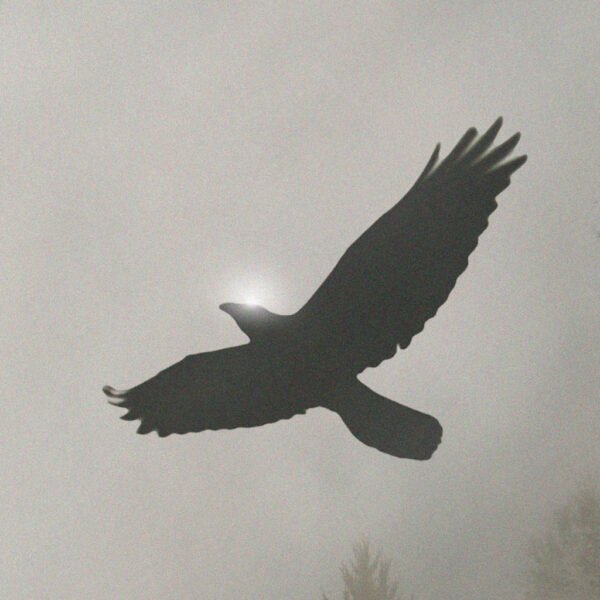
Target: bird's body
column 388, row 283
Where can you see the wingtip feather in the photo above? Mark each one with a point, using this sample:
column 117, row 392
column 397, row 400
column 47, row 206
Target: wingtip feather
column 111, row 392
column 119, row 395
column 508, row 168
column 431, row 163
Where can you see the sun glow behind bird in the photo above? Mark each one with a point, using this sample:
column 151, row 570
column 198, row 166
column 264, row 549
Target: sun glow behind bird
column 252, row 289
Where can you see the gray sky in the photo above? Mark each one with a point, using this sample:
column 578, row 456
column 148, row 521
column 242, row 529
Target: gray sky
column 159, row 158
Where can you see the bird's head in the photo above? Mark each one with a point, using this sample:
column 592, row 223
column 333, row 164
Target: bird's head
column 252, row 319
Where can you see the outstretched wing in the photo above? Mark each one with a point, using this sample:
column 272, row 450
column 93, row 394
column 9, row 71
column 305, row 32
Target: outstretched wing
column 394, row 277
column 224, row 389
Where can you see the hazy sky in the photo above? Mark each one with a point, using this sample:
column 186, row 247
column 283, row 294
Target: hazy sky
column 159, row 158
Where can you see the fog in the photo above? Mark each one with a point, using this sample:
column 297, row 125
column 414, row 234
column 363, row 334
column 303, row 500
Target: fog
column 159, row 158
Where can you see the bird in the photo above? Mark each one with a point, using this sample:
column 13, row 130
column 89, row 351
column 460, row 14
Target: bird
column 385, row 287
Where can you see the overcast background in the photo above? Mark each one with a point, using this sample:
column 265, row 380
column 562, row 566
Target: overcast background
column 159, row 158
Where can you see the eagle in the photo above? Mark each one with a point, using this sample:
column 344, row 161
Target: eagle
column 379, row 295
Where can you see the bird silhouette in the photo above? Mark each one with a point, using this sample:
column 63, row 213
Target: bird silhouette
column 387, row 284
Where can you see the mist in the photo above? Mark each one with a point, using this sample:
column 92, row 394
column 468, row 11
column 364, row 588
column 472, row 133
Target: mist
column 161, row 158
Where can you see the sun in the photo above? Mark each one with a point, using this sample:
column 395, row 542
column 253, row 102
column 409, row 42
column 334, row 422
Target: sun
column 251, row 300
column 253, row 289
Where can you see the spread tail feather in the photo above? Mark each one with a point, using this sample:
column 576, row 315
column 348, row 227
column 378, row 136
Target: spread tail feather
column 388, row 426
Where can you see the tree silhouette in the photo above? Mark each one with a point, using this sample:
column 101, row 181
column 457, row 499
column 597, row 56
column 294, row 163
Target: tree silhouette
column 565, row 561
column 367, row 577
